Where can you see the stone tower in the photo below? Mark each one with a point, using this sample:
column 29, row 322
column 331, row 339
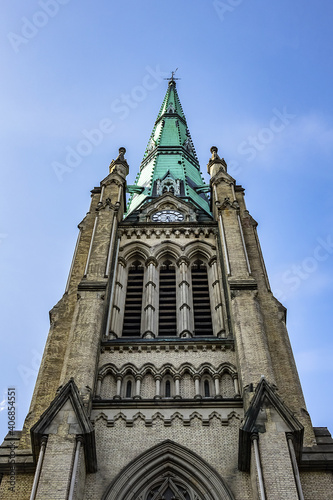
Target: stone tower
column 168, row 372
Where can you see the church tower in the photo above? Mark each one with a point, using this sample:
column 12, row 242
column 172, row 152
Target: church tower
column 168, row 371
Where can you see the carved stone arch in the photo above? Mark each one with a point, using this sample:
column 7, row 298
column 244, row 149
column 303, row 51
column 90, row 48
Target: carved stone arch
column 129, row 369
column 167, row 250
column 148, row 368
column 168, row 459
column 227, row 368
column 195, row 249
column 206, row 368
column 137, row 249
column 107, row 369
column 186, row 368
column 167, row 369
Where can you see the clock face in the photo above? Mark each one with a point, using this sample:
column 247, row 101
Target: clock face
column 167, row 216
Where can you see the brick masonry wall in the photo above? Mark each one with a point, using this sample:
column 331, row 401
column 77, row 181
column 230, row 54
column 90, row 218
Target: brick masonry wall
column 275, row 458
column 215, row 443
column 22, row 488
column 317, row 485
column 148, row 387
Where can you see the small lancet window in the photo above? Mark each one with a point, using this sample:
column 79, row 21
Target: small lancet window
column 167, row 389
column 206, row 389
column 129, row 389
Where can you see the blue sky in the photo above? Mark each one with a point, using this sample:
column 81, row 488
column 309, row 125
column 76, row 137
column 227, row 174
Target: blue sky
column 256, row 81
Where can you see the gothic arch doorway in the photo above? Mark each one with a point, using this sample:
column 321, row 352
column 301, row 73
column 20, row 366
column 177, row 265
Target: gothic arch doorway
column 168, row 471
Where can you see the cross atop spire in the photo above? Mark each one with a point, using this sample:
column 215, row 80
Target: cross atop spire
column 172, row 79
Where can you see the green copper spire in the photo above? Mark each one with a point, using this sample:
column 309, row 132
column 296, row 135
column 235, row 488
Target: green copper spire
column 170, row 162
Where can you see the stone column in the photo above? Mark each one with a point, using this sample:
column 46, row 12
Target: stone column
column 118, row 389
column 98, row 387
column 255, row 439
column 217, row 387
column 118, row 300
column 150, row 326
column 185, row 328
column 38, row 468
column 216, row 299
column 177, row 387
column 137, row 387
column 158, row 387
column 236, row 385
column 79, row 442
column 295, row 466
column 197, row 387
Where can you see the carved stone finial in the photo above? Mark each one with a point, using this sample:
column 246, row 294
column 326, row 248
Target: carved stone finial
column 120, row 164
column 215, row 164
column 122, row 151
column 214, row 151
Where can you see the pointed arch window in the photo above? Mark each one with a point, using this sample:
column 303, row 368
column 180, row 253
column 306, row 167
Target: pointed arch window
column 206, row 389
column 201, row 301
column 167, row 320
column 133, row 302
column 128, row 393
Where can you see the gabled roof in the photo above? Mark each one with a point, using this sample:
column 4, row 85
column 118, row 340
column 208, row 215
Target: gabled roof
column 81, row 426
column 170, row 149
column 266, row 394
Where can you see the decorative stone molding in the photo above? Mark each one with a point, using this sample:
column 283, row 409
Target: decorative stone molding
column 151, row 260
column 150, row 416
column 138, row 345
column 226, row 204
column 183, row 260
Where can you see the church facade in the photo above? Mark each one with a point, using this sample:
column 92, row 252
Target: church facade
column 168, row 371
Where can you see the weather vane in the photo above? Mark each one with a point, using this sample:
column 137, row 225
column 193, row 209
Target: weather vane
column 172, row 79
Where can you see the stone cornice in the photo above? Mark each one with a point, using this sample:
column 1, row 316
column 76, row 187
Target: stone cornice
column 161, row 344
column 91, row 286
column 168, row 403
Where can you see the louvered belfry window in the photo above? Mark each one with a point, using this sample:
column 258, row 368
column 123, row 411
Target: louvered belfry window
column 201, row 302
column 133, row 303
column 167, row 321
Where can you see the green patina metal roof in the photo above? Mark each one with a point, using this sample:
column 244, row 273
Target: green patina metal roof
column 170, row 155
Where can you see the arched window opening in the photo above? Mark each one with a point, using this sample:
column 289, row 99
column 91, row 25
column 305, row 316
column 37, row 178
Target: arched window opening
column 168, row 389
column 206, row 389
column 128, row 393
column 167, row 321
column 201, row 301
column 133, row 303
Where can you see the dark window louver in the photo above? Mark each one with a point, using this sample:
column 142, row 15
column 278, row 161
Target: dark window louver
column 201, row 302
column 133, row 303
column 167, row 321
